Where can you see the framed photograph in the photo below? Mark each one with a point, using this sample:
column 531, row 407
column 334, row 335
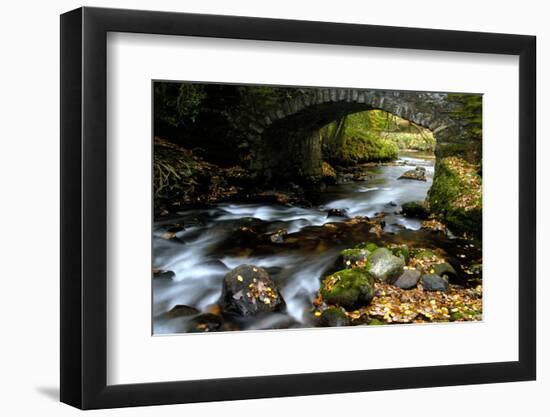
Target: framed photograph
column 258, row 208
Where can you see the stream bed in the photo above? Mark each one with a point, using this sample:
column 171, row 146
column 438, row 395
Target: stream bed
column 215, row 239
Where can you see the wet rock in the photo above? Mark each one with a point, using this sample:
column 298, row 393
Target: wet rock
column 444, row 269
column 408, row 279
column 392, row 204
column 248, row 290
column 419, row 174
column 334, row 317
column 337, row 213
column 417, row 209
column 433, row 282
column 244, row 236
column 206, row 323
column 181, row 310
column 349, row 288
column 175, row 228
column 278, row 236
column 161, row 274
column 385, row 266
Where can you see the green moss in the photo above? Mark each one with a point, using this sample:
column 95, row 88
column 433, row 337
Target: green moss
column 456, row 195
column 423, row 254
column 469, row 112
column 348, row 288
column 334, row 317
column 360, row 146
column 376, row 322
column 401, row 251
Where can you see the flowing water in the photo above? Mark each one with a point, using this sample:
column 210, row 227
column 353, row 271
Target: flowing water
column 221, row 237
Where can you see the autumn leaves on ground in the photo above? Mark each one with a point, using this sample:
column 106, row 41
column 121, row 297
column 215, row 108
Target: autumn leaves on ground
column 377, row 237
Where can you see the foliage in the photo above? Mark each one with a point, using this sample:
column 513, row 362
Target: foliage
column 456, row 195
column 469, row 109
column 360, row 144
column 391, row 304
column 178, row 104
column 412, row 140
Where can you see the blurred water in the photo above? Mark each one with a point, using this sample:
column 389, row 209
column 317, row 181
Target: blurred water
column 200, row 256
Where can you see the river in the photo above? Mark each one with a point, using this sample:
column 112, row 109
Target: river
column 222, row 236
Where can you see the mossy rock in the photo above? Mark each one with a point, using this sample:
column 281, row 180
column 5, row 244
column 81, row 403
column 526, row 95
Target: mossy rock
column 375, row 322
column 417, row 209
column 385, row 266
column 401, row 251
column 350, row 258
column 348, row 288
column 334, row 317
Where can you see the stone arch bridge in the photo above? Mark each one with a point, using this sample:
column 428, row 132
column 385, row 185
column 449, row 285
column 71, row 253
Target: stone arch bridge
column 285, row 140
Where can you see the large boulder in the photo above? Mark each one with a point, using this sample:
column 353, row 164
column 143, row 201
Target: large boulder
column 348, row 288
column 419, row 174
column 433, row 282
column 248, row 290
column 385, row 266
column 408, row 279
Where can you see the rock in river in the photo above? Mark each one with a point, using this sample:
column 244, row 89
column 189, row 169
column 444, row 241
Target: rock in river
column 248, row 290
column 419, row 174
column 349, row 288
column 385, row 266
column 334, row 212
column 433, row 282
column 408, row 279
column 357, row 256
column 278, row 236
column 334, row 317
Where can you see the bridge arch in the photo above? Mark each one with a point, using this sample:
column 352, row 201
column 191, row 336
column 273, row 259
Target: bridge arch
column 285, row 141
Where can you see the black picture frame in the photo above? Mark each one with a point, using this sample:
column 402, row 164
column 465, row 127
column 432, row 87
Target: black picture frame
column 84, row 207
